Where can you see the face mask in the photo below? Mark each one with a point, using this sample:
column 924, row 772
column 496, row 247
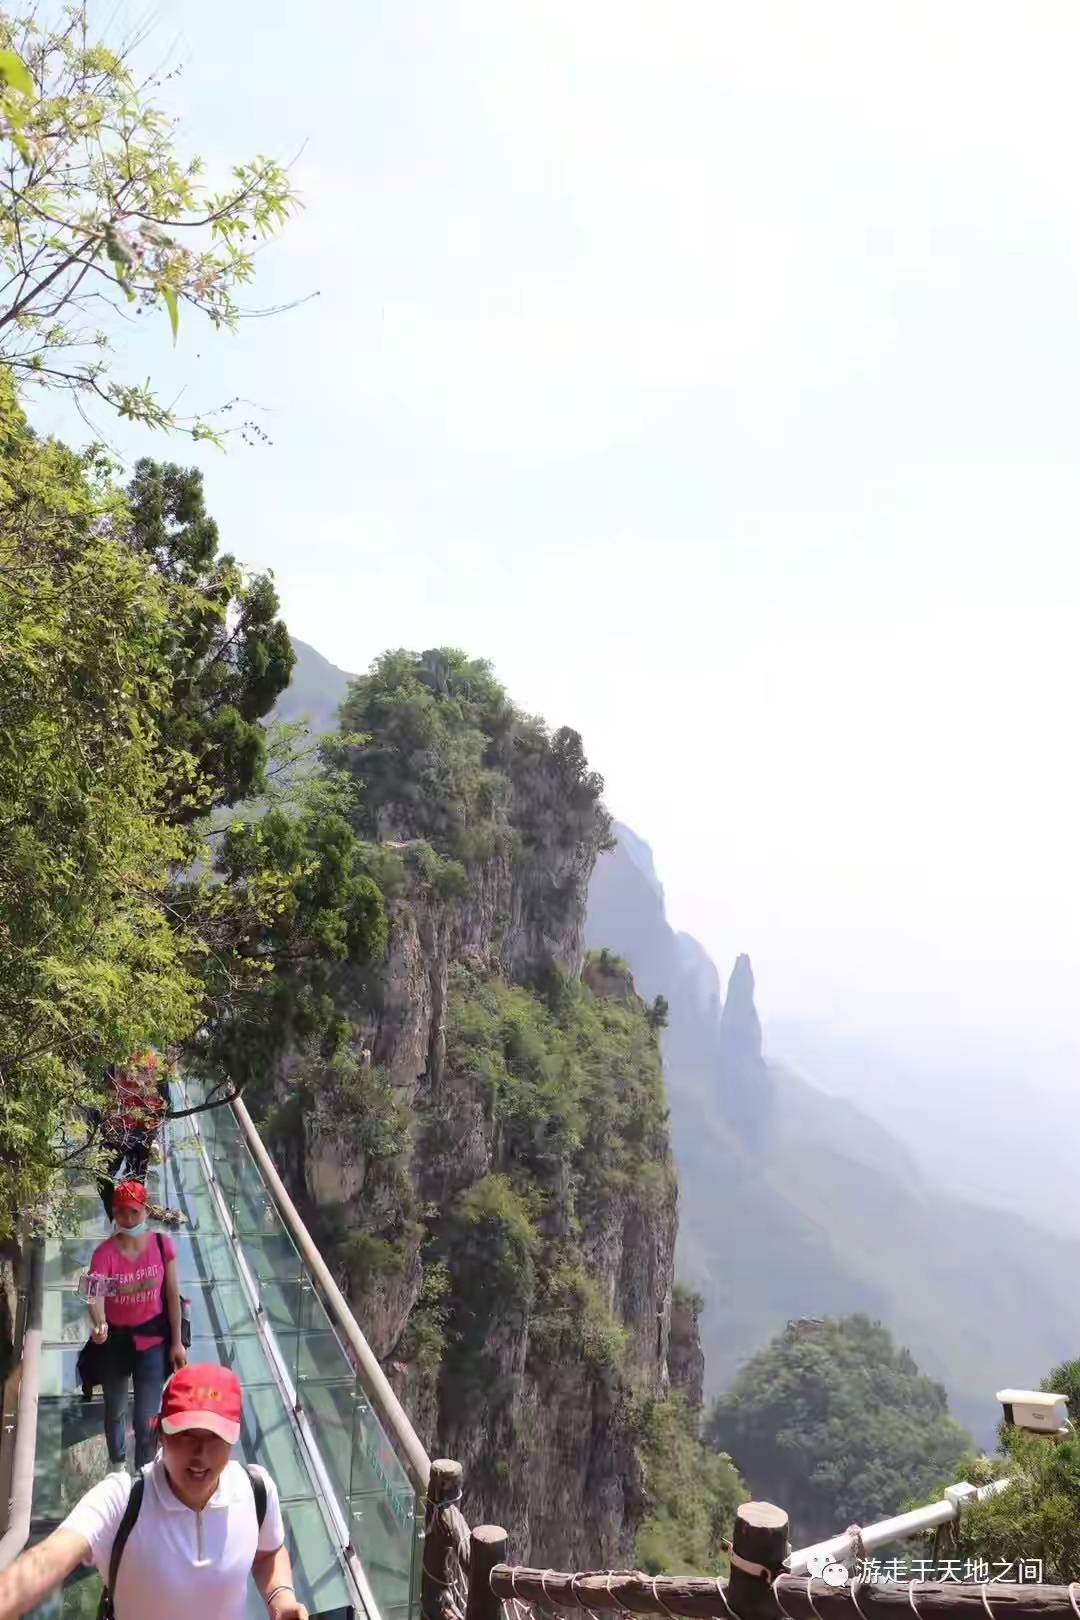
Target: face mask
column 130, row 1231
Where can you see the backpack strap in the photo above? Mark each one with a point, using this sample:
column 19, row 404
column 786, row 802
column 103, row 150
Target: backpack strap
column 258, row 1486
column 161, row 1251
column 124, row 1529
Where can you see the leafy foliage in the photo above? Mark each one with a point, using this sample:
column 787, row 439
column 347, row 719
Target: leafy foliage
column 689, row 1492
column 572, row 1320
column 228, row 652
column 90, row 968
column 134, row 668
column 573, row 1082
column 285, row 910
column 449, row 759
column 272, row 913
column 837, row 1425
column 424, row 1341
column 1038, row 1516
column 100, row 212
column 494, row 1240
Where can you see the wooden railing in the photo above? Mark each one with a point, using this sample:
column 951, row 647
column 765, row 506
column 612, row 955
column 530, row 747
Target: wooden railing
column 758, row 1588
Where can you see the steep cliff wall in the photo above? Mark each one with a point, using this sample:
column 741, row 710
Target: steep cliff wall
column 555, row 1293
column 488, row 1160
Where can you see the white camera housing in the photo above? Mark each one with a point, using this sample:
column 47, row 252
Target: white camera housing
column 1035, row 1411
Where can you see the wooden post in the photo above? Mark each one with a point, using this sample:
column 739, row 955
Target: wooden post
column 761, row 1537
column 487, row 1547
column 440, row 1553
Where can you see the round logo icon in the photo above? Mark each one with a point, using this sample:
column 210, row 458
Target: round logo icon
column 823, row 1567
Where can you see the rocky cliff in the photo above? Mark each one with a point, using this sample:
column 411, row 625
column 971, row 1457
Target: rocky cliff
column 488, row 1158
column 744, row 1085
column 794, row 1203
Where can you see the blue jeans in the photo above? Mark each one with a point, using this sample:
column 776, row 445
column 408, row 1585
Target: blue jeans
column 148, row 1378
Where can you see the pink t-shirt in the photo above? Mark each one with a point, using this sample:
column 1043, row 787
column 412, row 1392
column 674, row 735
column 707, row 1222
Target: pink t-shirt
column 138, row 1292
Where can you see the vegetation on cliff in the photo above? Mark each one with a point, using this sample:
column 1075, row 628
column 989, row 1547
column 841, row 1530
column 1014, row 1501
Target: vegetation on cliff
column 572, row 1098
column 689, row 1493
column 443, row 755
column 837, row 1425
column 488, row 1212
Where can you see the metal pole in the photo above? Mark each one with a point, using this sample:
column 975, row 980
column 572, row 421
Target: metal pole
column 373, row 1380
column 839, row 1548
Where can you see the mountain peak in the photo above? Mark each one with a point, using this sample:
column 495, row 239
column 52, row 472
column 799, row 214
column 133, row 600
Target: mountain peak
column 745, row 1090
column 741, row 983
column 740, row 1027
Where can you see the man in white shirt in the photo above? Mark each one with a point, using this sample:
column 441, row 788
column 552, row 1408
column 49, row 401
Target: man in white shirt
column 197, row 1536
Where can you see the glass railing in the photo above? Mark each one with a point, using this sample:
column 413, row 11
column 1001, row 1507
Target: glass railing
column 254, row 1308
column 375, row 1499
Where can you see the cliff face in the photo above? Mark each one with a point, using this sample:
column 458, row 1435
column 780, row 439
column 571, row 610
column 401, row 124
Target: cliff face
column 539, row 1435
column 686, row 1359
column 794, row 1204
column 490, row 1165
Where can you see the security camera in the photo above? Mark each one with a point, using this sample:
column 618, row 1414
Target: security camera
column 1035, row 1411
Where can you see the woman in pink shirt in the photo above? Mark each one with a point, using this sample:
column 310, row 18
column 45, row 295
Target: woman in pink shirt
column 136, row 1321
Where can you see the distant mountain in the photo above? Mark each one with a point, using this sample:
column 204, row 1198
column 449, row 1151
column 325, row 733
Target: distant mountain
column 316, row 691
column 937, row 1087
column 795, row 1203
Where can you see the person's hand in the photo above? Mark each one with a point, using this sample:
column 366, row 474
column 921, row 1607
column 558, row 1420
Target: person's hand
column 177, row 1357
column 284, row 1606
column 99, row 1332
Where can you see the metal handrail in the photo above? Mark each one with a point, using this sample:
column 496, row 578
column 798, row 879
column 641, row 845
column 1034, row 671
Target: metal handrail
column 333, row 1509
column 839, row 1549
column 17, row 1533
column 373, row 1380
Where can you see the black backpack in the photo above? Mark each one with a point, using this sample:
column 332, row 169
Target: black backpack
column 105, row 1609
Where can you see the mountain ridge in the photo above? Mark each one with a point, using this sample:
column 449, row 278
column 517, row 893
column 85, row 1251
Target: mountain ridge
column 795, row 1203
column 829, row 1213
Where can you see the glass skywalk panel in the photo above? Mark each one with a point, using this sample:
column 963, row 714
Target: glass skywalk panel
column 71, row 1454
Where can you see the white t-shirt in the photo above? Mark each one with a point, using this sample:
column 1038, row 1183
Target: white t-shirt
column 178, row 1563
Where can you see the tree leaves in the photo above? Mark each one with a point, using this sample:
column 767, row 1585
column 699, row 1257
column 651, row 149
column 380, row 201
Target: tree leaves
column 174, row 314
column 836, row 1425
column 15, row 73
column 104, row 179
column 90, row 966
column 136, row 666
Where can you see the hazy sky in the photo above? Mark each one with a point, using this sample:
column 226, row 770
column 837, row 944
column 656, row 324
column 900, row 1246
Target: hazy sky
column 714, row 369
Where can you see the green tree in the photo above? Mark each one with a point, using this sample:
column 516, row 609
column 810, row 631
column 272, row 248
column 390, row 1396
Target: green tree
column 1038, row 1515
column 658, row 1013
column 275, row 901
column 227, row 650
column 101, row 213
column 90, row 967
column 287, row 909
column 135, row 667
column 446, row 757
column 836, row 1425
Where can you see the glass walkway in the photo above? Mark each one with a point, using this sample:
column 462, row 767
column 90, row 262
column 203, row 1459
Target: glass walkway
column 351, row 1514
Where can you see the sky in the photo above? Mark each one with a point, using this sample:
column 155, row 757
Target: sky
column 714, row 370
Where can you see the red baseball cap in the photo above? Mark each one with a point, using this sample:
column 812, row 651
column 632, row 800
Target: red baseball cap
column 130, row 1192
column 203, row 1396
